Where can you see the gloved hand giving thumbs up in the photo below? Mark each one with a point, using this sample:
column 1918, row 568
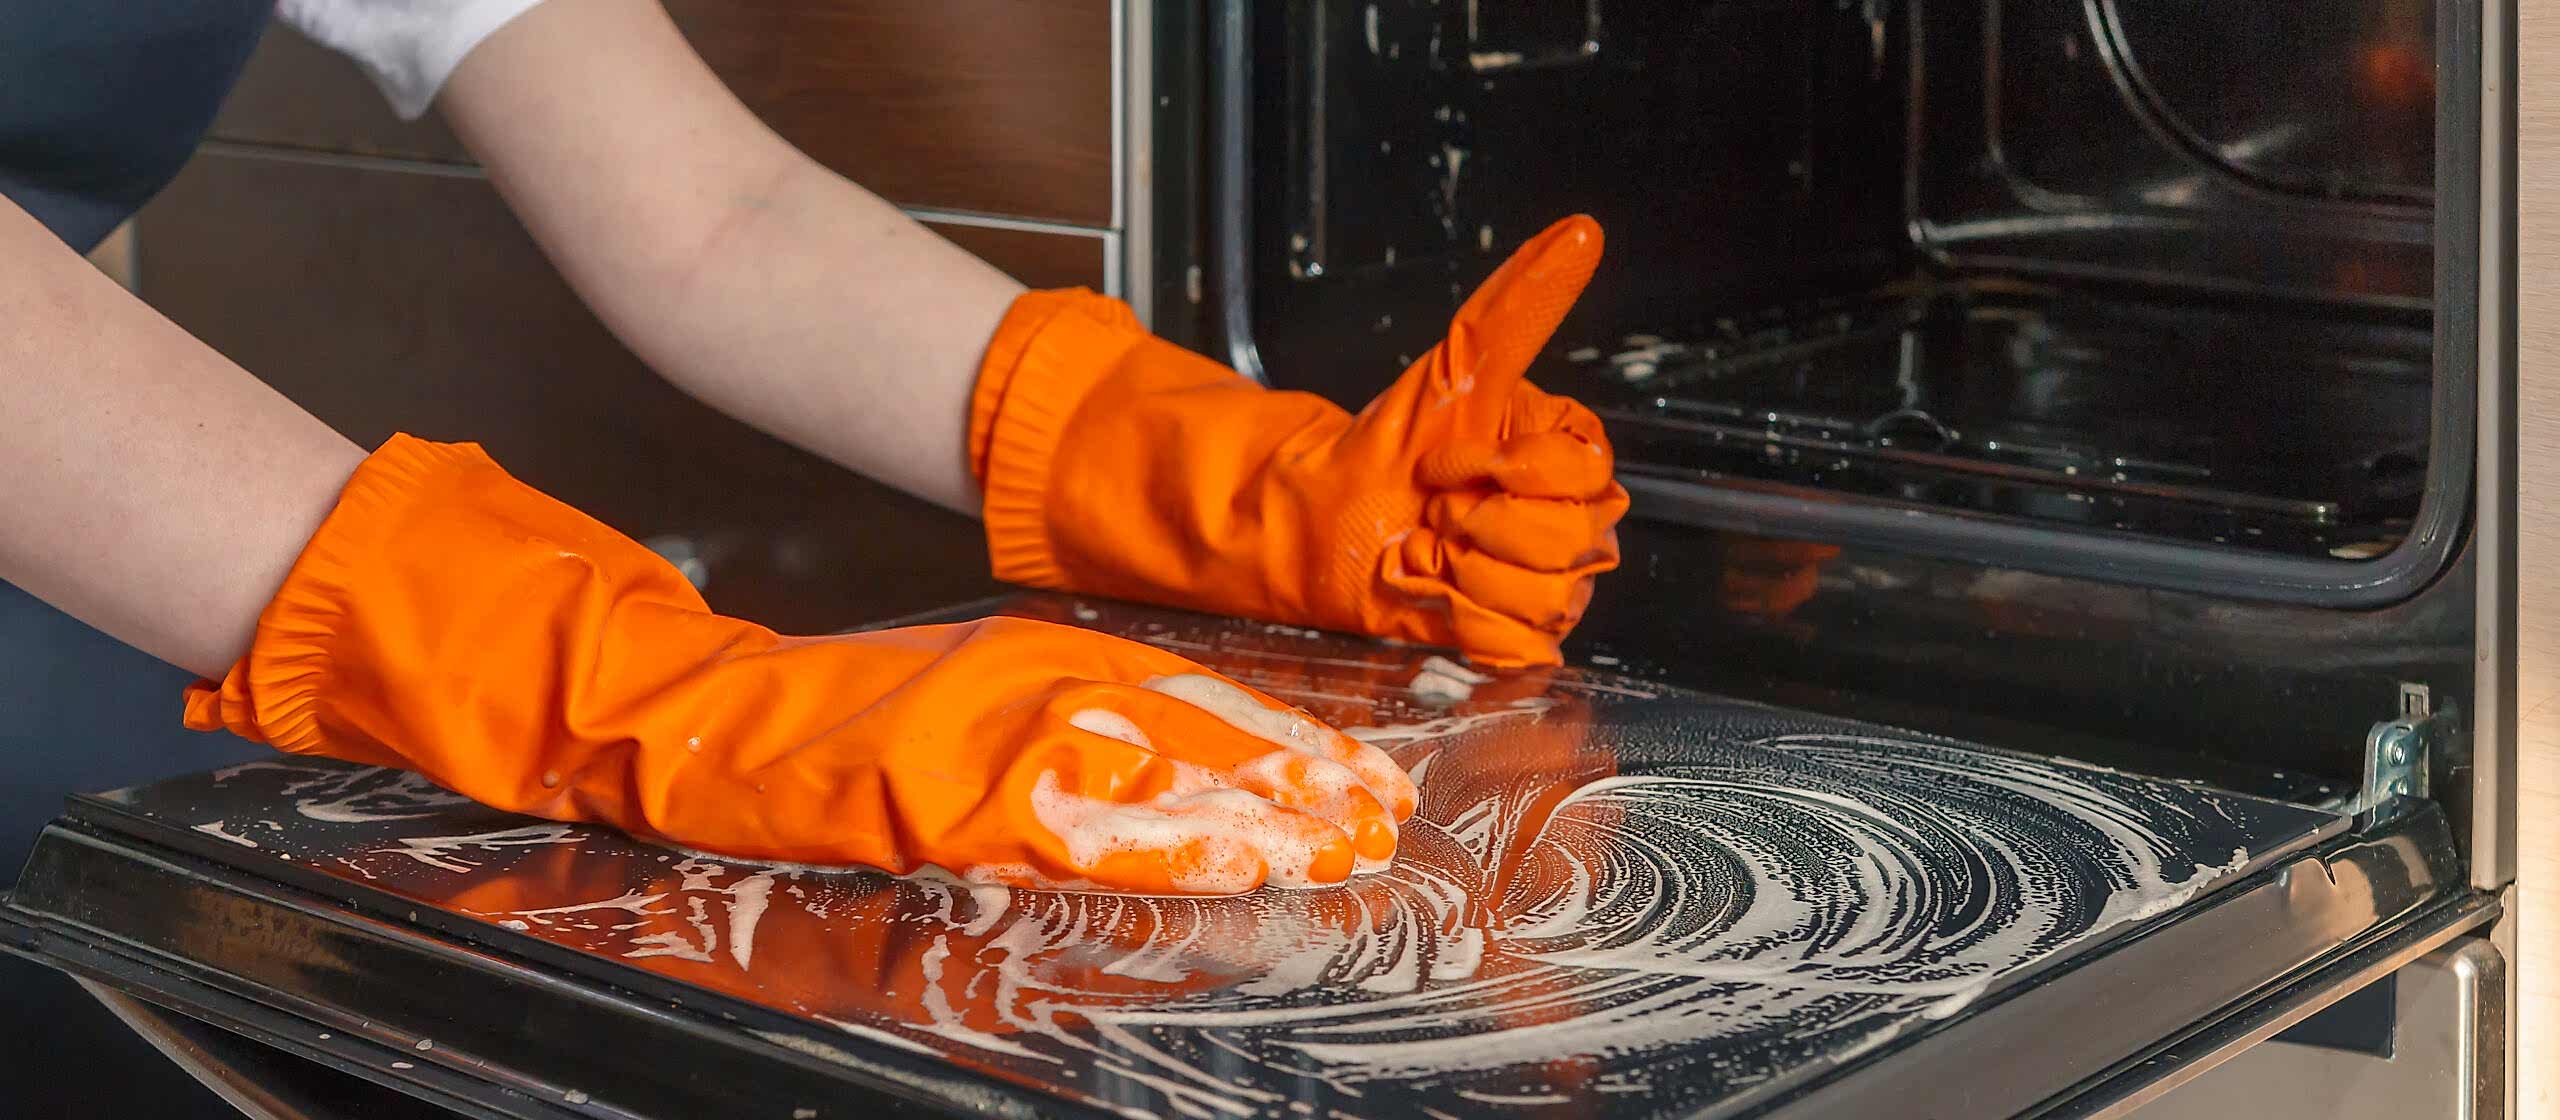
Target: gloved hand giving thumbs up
column 1461, row 507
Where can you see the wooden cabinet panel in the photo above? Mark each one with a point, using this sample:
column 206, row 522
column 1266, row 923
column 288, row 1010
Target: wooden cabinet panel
column 998, row 106
column 993, row 106
column 390, row 301
column 1042, row 260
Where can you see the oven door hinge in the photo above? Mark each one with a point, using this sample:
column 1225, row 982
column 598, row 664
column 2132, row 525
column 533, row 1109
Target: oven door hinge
column 2396, row 750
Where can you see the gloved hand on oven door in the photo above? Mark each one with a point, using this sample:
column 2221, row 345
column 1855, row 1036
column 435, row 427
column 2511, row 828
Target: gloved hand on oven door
column 1462, row 507
column 450, row 620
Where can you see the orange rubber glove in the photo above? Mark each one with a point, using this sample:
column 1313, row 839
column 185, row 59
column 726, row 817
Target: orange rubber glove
column 1462, row 507
column 450, row 620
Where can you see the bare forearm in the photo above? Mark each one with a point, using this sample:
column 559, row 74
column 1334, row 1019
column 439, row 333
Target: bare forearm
column 153, row 489
column 740, row 270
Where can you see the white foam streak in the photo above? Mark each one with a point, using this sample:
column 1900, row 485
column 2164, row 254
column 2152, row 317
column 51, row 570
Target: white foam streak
column 443, row 851
column 1399, row 734
column 214, row 828
column 746, row 906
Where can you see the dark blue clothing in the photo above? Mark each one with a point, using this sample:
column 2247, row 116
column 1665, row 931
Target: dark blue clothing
column 101, row 101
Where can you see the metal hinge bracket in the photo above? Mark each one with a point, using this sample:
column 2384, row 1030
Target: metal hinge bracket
column 2396, row 750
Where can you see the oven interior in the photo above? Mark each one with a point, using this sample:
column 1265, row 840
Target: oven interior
column 2071, row 372
column 2156, row 272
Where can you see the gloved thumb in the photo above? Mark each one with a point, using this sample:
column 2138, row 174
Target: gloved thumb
column 1501, row 328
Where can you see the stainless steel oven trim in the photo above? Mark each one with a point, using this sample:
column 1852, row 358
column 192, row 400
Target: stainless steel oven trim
column 2487, row 1018
column 2502, row 937
column 2039, row 1050
column 1131, row 264
column 2493, row 724
column 2493, row 720
column 998, row 221
column 2222, row 1040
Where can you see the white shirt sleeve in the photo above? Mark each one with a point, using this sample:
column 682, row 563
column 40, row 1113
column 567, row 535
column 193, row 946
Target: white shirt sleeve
column 408, row 47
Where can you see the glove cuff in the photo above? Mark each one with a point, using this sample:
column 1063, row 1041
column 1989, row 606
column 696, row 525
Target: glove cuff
column 273, row 694
column 1051, row 350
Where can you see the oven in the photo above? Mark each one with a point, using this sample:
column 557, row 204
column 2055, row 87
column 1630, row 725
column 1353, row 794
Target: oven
column 2060, row 668
column 2120, row 380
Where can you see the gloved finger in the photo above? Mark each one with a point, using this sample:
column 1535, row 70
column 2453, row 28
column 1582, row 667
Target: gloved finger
column 1329, row 792
column 1304, row 780
column 1555, row 464
column 1490, row 637
column 1209, row 842
column 1501, row 616
column 1254, row 713
column 1463, row 462
column 1549, row 602
column 1503, row 326
column 1533, row 533
column 1084, row 754
column 1547, row 464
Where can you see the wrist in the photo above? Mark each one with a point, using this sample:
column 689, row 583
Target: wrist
column 1048, row 354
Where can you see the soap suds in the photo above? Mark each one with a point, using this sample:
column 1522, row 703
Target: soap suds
column 1215, row 841
column 353, row 796
column 1900, row 883
column 214, row 828
column 1482, row 1097
column 822, row 1050
column 746, row 906
column 444, row 851
column 1109, row 725
column 1300, row 734
column 1454, row 671
column 1402, row 734
column 990, row 904
column 1741, row 889
column 1238, row 709
column 1444, row 682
